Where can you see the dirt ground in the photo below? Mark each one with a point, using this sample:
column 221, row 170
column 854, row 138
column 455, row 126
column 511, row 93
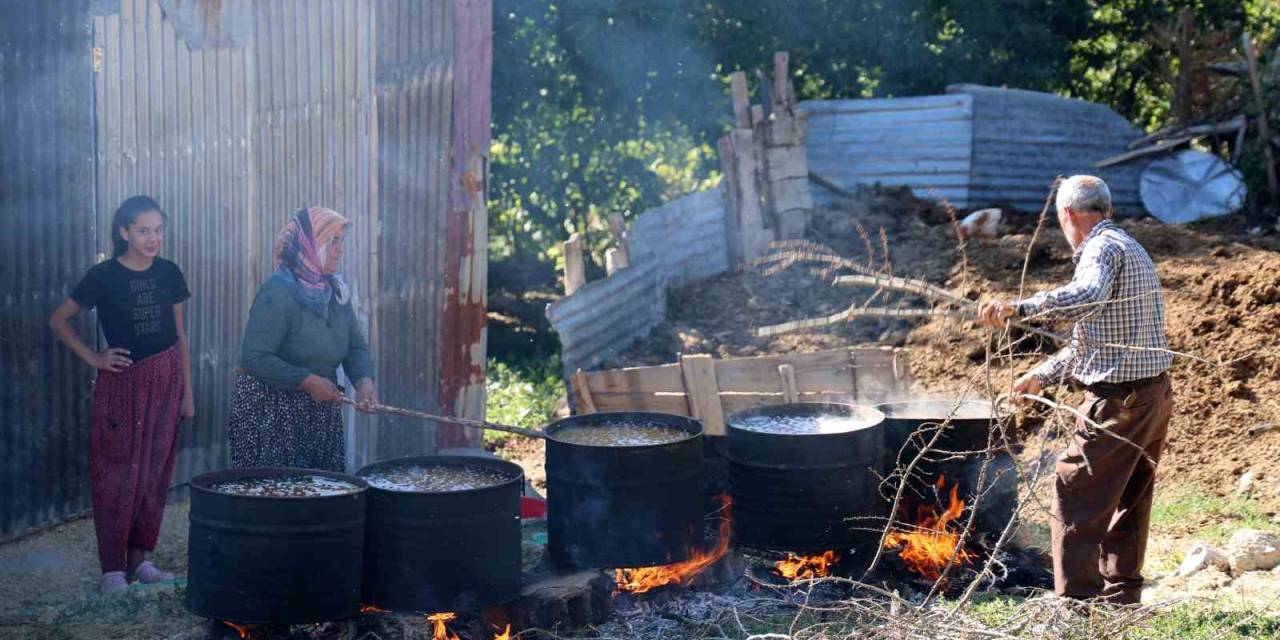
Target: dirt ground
column 49, row 587
column 1222, row 294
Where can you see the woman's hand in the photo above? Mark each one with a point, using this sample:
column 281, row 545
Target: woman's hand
column 188, row 410
column 114, row 360
column 322, row 390
column 366, row 395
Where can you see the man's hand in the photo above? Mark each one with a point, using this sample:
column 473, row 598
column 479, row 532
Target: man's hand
column 1026, row 385
column 366, row 395
column 995, row 313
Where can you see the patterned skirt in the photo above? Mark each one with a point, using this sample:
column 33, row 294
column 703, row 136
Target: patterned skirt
column 283, row 428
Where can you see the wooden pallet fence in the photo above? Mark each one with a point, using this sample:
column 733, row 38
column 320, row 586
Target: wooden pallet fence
column 709, row 389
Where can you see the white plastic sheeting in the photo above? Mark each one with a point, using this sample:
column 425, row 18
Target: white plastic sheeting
column 1191, row 185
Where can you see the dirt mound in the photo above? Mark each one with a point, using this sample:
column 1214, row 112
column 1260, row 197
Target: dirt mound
column 1222, row 291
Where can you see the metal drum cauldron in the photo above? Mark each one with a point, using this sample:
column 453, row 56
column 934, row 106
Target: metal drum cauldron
column 443, row 551
column 625, row 506
column 805, row 492
column 275, row 560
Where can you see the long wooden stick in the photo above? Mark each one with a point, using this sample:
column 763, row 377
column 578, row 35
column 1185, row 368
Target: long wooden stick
column 471, row 424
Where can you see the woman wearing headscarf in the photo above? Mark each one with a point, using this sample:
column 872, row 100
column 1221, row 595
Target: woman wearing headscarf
column 286, row 408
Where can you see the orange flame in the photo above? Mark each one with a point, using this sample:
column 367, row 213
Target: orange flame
column 505, row 635
column 438, row 629
column 806, row 567
column 368, row 608
column 932, row 543
column 240, row 629
column 637, row 581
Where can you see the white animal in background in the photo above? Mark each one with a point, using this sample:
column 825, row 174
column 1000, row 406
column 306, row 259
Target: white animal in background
column 984, row 223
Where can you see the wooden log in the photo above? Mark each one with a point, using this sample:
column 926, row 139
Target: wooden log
column 741, row 100
column 575, row 274
column 1159, row 147
column 703, row 392
column 1264, row 129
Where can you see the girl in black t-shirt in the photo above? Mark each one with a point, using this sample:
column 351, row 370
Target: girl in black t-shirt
column 143, row 389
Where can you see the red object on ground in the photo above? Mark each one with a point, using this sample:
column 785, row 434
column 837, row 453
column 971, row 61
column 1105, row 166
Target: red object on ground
column 532, row 507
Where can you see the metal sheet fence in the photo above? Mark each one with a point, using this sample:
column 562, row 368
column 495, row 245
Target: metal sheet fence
column 46, row 194
column 340, row 103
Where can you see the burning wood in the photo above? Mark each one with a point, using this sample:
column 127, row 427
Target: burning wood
column 806, row 567
column 439, row 630
column 505, row 635
column 637, row 581
column 240, row 629
column 368, row 608
column 930, row 546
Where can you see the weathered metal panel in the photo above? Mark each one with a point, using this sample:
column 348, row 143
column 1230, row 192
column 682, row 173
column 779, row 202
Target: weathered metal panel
column 340, row 103
column 46, row 195
column 1023, row 139
column 174, row 124
column 414, row 78
column 924, row 143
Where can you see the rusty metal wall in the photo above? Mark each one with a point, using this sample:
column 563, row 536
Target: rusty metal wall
column 46, row 196
column 414, row 78
column 232, row 117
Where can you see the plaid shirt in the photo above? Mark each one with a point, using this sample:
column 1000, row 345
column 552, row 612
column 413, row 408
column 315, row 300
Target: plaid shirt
column 1117, row 305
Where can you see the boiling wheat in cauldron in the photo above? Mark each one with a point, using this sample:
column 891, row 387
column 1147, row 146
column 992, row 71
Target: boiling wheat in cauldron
column 300, row 486
column 620, row 434
column 435, row 478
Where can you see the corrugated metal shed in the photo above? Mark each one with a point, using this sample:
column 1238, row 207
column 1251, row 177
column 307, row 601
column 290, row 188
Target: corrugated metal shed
column 1023, row 139
column 233, row 116
column 974, row 146
column 925, row 143
column 46, row 198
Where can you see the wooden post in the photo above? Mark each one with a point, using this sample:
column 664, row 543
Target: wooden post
column 1264, row 130
column 582, row 393
column 783, row 100
column 790, row 394
column 757, row 115
column 1182, row 94
column 575, row 274
column 622, row 257
column 703, row 392
column 741, row 102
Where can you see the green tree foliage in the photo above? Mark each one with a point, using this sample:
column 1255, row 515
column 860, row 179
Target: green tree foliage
column 606, row 106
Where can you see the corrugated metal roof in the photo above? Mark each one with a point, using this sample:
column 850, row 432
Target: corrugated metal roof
column 925, row 143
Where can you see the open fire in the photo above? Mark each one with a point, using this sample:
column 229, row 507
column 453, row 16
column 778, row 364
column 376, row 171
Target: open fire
column 637, row 581
column 932, row 542
column 242, row 630
column 439, row 628
column 796, row 567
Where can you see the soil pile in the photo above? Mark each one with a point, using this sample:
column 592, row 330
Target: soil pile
column 1222, row 296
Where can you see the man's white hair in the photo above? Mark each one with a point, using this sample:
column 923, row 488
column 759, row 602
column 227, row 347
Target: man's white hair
column 1085, row 194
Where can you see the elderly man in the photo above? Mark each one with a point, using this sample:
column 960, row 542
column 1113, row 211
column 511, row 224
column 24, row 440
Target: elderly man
column 1118, row 355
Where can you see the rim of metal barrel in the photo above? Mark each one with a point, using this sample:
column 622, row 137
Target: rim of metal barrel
column 690, row 425
column 872, row 415
column 499, row 463
column 203, row 482
column 950, row 409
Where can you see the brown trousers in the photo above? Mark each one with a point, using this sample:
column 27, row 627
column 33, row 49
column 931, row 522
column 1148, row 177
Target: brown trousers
column 1105, row 483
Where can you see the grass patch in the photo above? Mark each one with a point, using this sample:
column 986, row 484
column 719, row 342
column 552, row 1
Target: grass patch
column 1193, row 621
column 1202, row 516
column 522, row 395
